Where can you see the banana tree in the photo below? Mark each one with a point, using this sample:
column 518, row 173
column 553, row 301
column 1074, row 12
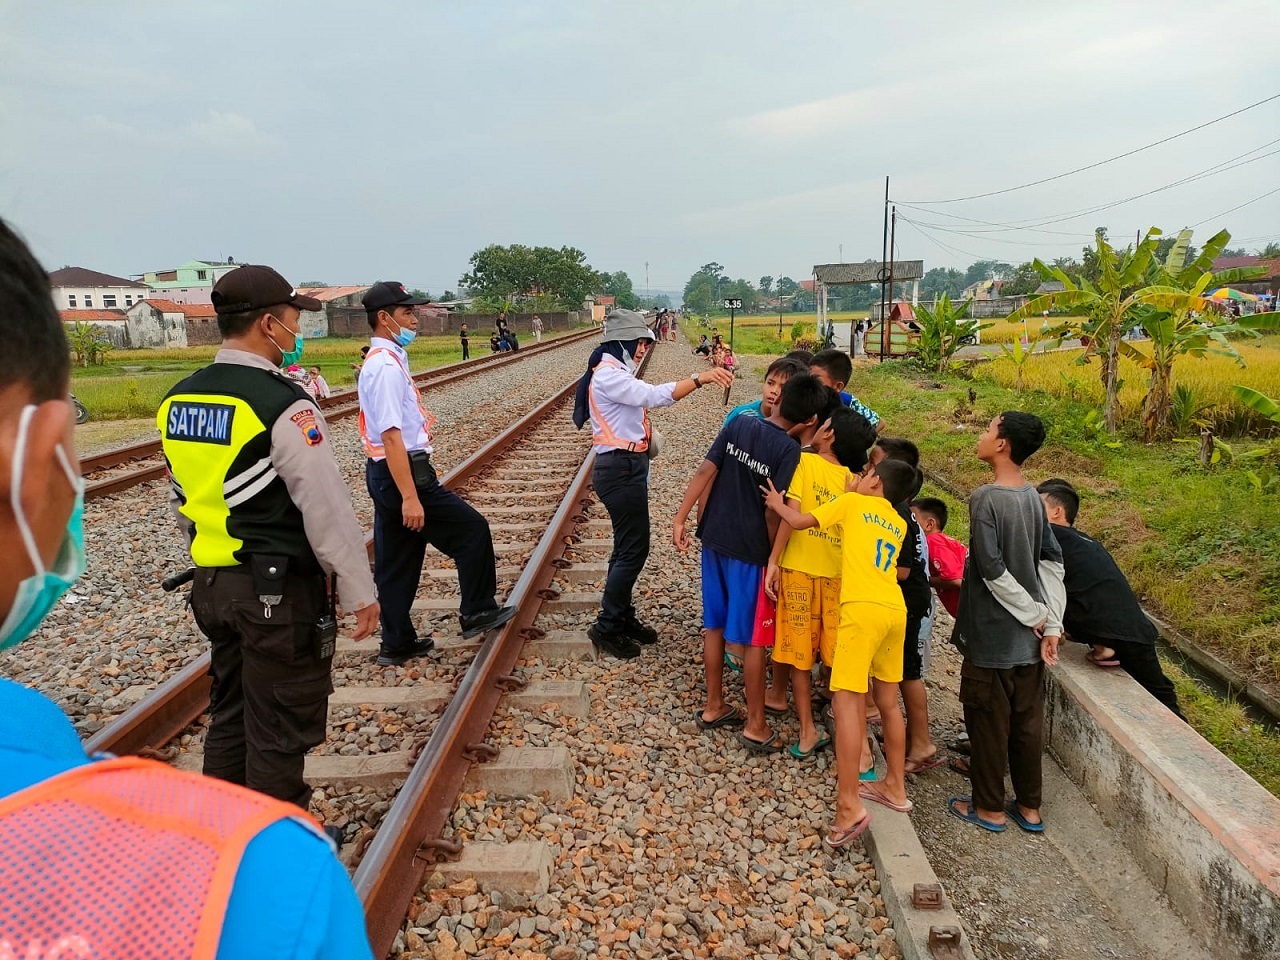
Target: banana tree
column 943, row 330
column 1108, row 307
column 1181, row 324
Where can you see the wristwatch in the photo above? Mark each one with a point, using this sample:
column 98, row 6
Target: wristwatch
column 697, row 381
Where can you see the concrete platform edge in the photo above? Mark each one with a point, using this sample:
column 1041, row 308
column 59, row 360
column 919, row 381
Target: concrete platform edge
column 901, row 863
column 1202, row 829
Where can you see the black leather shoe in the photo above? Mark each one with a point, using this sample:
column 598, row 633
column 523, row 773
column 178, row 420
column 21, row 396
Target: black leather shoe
column 334, row 833
column 484, row 622
column 396, row 658
column 615, row 644
column 641, row 633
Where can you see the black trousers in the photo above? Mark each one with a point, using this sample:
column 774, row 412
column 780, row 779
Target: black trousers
column 1139, row 660
column 621, row 481
column 1004, row 714
column 271, row 689
column 452, row 526
column 466, row 350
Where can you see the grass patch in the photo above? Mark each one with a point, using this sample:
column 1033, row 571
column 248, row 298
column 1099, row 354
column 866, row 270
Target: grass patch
column 1224, row 723
column 133, row 382
column 1210, row 378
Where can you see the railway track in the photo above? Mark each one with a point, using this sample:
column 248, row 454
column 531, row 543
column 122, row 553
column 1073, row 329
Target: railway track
column 552, row 469
column 116, row 470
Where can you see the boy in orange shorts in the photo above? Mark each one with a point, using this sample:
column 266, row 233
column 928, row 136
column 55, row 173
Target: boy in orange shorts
column 873, row 623
column 804, row 569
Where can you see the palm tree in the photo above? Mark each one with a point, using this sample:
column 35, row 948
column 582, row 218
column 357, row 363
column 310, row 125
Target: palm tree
column 1270, row 251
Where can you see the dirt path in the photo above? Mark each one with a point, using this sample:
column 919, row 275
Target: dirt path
column 1072, row 893
column 99, row 436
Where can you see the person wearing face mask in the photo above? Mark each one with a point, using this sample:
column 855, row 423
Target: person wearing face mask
column 108, row 857
column 617, row 403
column 268, row 520
column 410, row 506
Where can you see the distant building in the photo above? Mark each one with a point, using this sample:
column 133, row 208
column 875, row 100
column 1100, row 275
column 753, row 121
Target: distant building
column 333, row 319
column 78, row 288
column 111, row 324
column 190, row 282
column 982, row 290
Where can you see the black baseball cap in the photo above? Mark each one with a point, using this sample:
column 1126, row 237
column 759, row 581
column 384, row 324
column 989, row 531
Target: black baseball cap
column 252, row 287
column 390, row 293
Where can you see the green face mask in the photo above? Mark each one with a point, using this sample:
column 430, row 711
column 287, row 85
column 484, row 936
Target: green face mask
column 290, row 356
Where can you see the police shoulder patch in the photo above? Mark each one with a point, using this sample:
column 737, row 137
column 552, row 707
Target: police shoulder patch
column 305, row 420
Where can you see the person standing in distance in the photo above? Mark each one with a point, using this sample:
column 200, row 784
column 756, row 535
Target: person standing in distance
column 465, row 337
column 617, row 403
column 537, row 328
column 267, row 519
column 94, row 847
column 411, row 508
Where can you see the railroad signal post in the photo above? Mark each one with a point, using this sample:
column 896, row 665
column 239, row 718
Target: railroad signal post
column 732, row 306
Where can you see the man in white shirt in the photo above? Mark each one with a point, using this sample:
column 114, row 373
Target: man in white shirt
column 411, row 508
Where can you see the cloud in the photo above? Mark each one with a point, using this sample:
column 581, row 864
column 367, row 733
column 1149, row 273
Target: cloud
column 219, row 130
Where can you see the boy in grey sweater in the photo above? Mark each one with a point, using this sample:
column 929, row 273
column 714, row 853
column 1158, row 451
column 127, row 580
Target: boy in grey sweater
column 1009, row 625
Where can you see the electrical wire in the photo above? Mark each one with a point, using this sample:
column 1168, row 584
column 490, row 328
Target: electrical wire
column 1235, row 208
column 1037, row 223
column 1119, row 156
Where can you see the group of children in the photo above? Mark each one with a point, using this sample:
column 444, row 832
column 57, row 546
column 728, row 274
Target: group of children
column 815, row 548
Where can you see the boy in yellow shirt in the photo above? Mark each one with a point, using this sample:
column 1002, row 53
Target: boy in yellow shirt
column 873, row 623
column 804, row 570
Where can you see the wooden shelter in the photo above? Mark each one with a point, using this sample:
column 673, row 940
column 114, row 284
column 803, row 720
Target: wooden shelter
column 871, row 271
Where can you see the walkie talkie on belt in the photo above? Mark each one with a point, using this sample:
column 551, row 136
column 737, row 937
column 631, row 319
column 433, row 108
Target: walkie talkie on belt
column 327, row 625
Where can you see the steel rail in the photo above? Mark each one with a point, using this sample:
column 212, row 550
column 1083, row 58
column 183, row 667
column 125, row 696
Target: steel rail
column 391, row 870
column 181, row 699
column 335, row 407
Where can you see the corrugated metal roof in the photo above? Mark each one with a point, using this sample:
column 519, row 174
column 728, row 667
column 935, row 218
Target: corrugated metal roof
column 199, row 310
column 834, row 274
column 331, row 293
column 90, row 316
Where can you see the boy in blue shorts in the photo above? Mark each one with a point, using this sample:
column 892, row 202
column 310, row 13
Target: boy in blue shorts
column 873, row 622
column 737, row 534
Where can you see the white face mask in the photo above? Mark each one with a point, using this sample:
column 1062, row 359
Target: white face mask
column 37, row 594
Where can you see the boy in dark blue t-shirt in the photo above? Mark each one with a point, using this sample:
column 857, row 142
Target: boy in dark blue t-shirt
column 737, row 533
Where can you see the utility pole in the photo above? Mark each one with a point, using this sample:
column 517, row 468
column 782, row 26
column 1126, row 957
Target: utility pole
column 884, row 256
column 646, row 280
column 885, row 334
column 842, row 253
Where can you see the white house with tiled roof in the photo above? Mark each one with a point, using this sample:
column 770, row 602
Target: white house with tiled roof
column 78, row 288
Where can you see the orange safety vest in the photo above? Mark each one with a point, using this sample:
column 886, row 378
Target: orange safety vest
column 125, row 859
column 375, row 450
column 604, row 435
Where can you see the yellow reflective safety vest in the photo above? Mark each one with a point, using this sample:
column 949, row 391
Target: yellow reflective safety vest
column 215, row 428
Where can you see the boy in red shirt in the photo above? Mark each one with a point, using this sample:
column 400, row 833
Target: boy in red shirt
column 946, row 554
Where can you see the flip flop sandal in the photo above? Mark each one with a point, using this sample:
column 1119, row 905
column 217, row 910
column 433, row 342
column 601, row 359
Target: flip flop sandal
column 1112, row 662
column 959, row 745
column 868, row 775
column 972, row 816
column 767, row 747
column 875, row 796
column 733, row 663
column 733, row 717
column 923, row 766
column 838, row 837
column 822, row 744
column 960, row 765
column 1011, row 810
column 776, row 711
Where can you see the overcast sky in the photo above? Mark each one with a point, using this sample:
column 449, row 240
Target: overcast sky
column 348, row 142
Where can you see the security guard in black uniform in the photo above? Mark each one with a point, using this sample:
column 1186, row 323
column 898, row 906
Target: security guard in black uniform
column 269, row 520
